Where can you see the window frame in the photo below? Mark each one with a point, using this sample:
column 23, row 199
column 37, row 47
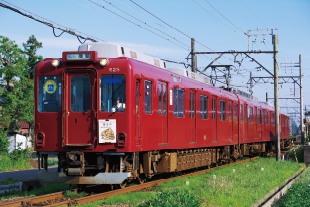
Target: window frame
column 177, row 102
column 204, row 107
column 148, row 109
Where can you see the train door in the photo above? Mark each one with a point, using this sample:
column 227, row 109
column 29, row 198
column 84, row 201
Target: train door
column 263, row 124
column 138, row 113
column 163, row 103
column 246, row 121
column 79, row 108
column 214, row 119
column 230, row 120
column 192, row 115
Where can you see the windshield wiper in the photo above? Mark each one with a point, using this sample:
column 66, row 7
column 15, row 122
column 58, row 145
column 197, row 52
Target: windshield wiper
column 112, row 114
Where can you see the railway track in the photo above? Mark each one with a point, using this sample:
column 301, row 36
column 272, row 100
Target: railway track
column 57, row 199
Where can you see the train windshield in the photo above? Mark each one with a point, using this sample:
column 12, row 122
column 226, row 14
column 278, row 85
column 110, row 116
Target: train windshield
column 49, row 93
column 113, row 93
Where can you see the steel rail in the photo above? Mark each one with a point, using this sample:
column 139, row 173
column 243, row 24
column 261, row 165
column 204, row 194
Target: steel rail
column 33, row 200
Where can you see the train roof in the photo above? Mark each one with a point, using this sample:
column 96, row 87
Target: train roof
column 112, row 50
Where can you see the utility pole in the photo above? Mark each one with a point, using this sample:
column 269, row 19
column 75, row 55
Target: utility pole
column 276, row 95
column 251, row 84
column 301, row 105
column 193, row 55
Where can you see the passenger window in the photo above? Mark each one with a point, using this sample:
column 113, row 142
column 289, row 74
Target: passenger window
column 213, row 108
column 80, row 94
column 159, row 99
column 241, row 113
column 222, row 110
column 236, row 113
column 49, row 99
column 181, row 103
column 165, row 99
column 250, row 115
column 112, row 93
column 178, row 102
column 148, row 97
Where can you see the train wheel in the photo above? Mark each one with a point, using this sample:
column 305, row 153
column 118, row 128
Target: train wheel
column 123, row 185
column 141, row 180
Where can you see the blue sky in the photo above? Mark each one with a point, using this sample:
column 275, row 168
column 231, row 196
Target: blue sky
column 220, row 29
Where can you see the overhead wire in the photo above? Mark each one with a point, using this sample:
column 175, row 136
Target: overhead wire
column 242, row 13
column 139, row 25
column 253, row 13
column 169, row 25
column 226, row 18
column 50, row 23
column 213, row 16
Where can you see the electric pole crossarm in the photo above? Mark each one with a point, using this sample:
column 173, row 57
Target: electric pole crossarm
column 285, row 98
column 211, row 63
column 259, row 64
column 234, row 52
column 286, row 79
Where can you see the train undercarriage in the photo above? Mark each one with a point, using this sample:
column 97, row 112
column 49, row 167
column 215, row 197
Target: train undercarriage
column 119, row 168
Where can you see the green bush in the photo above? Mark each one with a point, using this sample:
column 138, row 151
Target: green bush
column 17, row 160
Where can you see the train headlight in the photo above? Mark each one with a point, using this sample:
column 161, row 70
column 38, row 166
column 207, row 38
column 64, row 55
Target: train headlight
column 104, row 62
column 55, row 63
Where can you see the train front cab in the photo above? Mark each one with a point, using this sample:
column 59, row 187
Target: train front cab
column 82, row 114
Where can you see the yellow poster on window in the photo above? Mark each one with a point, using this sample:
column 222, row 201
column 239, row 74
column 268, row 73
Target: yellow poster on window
column 50, row 86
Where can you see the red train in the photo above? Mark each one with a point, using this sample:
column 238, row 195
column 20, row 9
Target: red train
column 114, row 115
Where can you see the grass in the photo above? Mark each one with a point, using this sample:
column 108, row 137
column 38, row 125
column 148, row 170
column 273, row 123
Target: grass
column 52, row 161
column 222, row 187
column 9, row 164
column 52, row 188
column 9, row 181
column 70, row 194
column 299, row 193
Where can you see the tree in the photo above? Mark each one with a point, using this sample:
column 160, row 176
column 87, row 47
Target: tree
column 30, row 49
column 16, row 85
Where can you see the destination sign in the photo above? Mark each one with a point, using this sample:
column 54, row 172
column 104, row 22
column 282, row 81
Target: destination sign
column 78, row 56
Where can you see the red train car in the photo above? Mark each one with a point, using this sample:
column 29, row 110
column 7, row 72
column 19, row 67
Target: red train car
column 113, row 115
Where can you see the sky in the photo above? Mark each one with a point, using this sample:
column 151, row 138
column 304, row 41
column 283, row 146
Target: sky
column 163, row 29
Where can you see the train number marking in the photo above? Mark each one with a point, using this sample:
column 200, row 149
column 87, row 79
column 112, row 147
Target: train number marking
column 114, row 70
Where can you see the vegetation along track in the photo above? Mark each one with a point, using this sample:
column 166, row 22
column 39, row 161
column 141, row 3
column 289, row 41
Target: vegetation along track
column 57, row 199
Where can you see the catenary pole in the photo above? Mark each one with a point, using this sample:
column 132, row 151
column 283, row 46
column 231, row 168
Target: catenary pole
column 276, row 96
column 193, row 55
column 301, row 105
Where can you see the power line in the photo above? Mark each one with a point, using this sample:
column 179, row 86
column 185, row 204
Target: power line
column 51, row 24
column 141, row 26
column 226, row 18
column 253, row 13
column 214, row 16
column 241, row 13
column 169, row 25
